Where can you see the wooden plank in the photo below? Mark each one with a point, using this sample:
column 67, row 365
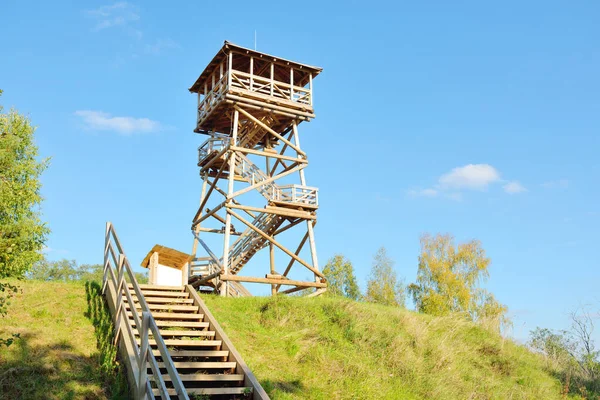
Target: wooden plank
column 268, row 154
column 276, row 210
column 167, row 332
column 208, row 377
column 179, row 324
column 168, row 300
column 216, row 391
column 290, row 282
column 177, row 316
column 166, row 307
column 195, row 353
column 149, row 293
column 187, row 343
column 202, row 364
column 157, row 287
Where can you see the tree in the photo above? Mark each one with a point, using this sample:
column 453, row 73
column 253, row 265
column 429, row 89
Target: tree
column 341, row 280
column 383, row 286
column 22, row 233
column 448, row 280
column 68, row 271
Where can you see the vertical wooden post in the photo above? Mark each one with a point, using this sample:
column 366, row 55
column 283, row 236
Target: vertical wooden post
column 230, row 70
column 197, row 228
column 232, row 156
column 292, row 84
column 220, row 71
column 119, row 306
column 272, row 261
column 251, row 72
column 272, row 77
column 313, row 247
column 310, row 88
column 106, row 256
column 143, row 358
column 297, row 143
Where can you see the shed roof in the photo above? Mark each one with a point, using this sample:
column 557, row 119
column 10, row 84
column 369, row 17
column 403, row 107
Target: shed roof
column 222, row 54
column 168, row 256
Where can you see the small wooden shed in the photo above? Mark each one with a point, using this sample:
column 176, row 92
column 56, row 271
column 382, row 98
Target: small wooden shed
column 167, row 266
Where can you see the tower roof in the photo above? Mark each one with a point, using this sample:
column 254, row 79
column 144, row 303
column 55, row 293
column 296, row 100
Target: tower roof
column 301, row 76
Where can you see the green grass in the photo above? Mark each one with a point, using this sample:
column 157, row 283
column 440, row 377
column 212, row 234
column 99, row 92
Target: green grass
column 61, row 327
column 299, row 348
column 328, row 348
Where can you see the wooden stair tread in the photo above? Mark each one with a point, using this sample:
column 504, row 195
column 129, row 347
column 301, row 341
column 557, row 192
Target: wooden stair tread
column 186, row 342
column 194, row 353
column 169, row 333
column 207, row 377
column 173, row 315
column 161, row 300
column 174, row 307
column 177, row 324
column 201, row 364
column 156, row 287
column 150, row 293
column 225, row 390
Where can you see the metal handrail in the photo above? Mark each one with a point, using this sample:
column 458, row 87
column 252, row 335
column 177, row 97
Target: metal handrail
column 144, row 325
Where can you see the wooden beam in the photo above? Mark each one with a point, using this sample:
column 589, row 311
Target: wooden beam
column 276, row 210
column 271, row 131
column 238, row 278
column 270, row 155
column 289, row 266
column 276, row 243
column 266, row 181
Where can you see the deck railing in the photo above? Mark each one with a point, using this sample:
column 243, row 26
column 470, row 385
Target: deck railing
column 117, row 271
column 250, row 84
column 298, row 194
column 210, row 145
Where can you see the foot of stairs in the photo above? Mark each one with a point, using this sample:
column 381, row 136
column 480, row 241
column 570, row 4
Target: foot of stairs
column 204, row 363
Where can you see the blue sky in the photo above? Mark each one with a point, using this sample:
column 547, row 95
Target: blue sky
column 480, row 120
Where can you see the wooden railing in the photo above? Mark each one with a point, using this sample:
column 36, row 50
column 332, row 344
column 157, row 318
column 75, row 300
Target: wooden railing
column 117, row 271
column 253, row 84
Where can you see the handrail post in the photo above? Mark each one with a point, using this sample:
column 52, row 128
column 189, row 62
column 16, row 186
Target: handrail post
column 120, row 281
column 143, row 368
column 106, row 262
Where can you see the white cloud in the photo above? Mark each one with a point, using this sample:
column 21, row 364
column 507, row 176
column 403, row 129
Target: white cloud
column 472, row 176
column 558, row 184
column 468, row 177
column 48, row 249
column 117, row 14
column 514, row 187
column 101, row 121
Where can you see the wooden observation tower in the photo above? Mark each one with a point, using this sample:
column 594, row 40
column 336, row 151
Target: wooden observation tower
column 250, row 105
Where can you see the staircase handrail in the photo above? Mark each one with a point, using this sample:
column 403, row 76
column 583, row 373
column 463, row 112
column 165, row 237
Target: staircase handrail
column 145, row 324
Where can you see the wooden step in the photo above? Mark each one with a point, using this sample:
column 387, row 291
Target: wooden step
column 186, row 343
column 168, row 333
column 156, row 287
column 207, row 377
column 172, row 307
column 167, row 315
column 178, row 324
column 153, row 293
column 194, row 353
column 159, row 300
column 227, row 390
column 201, row 365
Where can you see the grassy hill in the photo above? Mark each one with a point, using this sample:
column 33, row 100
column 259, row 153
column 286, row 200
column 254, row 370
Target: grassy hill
column 327, row 348
column 57, row 356
column 298, row 348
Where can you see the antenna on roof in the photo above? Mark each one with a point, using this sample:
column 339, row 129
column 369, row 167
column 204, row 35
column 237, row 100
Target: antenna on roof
column 255, row 39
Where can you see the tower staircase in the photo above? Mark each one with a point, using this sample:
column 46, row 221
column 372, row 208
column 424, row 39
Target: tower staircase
column 170, row 343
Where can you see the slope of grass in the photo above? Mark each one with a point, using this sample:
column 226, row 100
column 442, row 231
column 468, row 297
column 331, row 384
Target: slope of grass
column 327, row 348
column 57, row 356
